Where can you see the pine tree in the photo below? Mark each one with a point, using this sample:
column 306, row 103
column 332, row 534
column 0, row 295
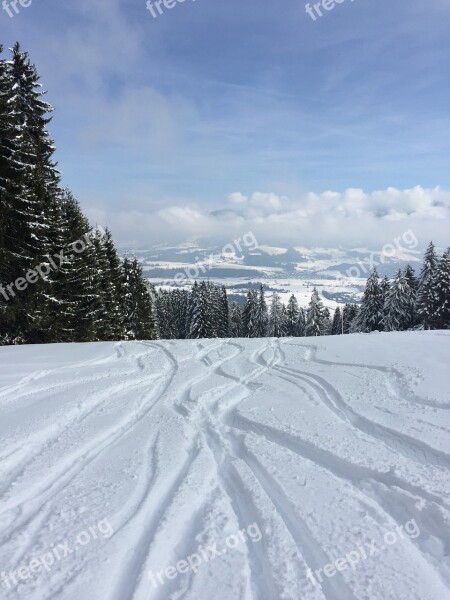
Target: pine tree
column 441, row 317
column 235, row 320
column 201, row 324
column 336, row 326
column 277, row 324
column 426, row 299
column 326, row 322
column 261, row 316
column 139, row 319
column 292, row 317
column 315, row 316
column 28, row 196
column 249, row 328
column 371, row 314
column 224, row 314
column 76, row 311
column 350, row 318
column 400, row 307
column 301, row 327
column 111, row 318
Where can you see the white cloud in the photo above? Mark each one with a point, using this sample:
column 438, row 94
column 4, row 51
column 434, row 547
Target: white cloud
column 351, row 218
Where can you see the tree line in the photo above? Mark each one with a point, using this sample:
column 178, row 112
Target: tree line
column 405, row 302
column 78, row 296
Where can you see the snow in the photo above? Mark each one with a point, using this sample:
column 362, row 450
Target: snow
column 118, row 460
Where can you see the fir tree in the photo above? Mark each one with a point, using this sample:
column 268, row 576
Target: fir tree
column 426, row 299
column 139, row 318
column 371, row 314
column 235, row 320
column 337, row 324
column 249, row 328
column 277, row 323
column 201, row 324
column 441, row 316
column 315, row 316
column 400, row 307
column 261, row 316
column 292, row 317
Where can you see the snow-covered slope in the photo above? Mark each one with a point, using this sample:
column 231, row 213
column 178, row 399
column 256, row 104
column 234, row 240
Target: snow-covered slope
column 227, row 469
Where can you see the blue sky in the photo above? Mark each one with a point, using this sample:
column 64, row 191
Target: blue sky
column 159, row 116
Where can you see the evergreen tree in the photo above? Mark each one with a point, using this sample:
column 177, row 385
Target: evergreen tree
column 426, row 299
column 301, row 327
column 350, row 318
column 201, row 324
column 400, row 307
column 261, row 316
column 326, row 322
column 336, row 326
column 139, row 312
column 441, row 317
column 277, row 323
column 235, row 320
column 315, row 316
column 249, row 328
column 292, row 317
column 28, row 196
column 371, row 314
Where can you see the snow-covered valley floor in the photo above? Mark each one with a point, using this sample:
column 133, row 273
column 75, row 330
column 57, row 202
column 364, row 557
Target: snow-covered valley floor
column 227, row 469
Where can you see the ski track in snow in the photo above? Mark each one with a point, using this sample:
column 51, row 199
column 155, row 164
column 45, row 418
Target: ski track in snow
column 326, row 446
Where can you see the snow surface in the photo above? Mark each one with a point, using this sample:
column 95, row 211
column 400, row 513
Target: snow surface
column 325, row 445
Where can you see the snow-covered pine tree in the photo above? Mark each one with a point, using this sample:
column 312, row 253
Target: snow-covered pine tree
column 385, row 287
column 235, row 320
column 326, row 322
column 28, row 196
column 201, row 323
column 426, row 302
column 180, row 304
column 192, row 302
column 336, row 326
column 115, row 316
column 301, row 327
column 371, row 314
column 292, row 317
column 249, row 315
column 410, row 275
column 277, row 323
column 314, row 316
column 261, row 314
column 441, row 317
column 400, row 306
column 139, row 320
column 76, row 313
column 349, row 316
column 224, row 313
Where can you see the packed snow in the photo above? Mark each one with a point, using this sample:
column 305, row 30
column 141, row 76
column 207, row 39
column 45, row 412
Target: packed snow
column 312, row 468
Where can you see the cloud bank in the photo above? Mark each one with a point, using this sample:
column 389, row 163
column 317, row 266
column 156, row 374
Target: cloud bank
column 352, row 218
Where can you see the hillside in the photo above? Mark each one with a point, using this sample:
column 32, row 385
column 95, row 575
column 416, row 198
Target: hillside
column 228, row 469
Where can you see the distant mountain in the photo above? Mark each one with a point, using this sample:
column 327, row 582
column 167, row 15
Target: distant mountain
column 339, row 274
